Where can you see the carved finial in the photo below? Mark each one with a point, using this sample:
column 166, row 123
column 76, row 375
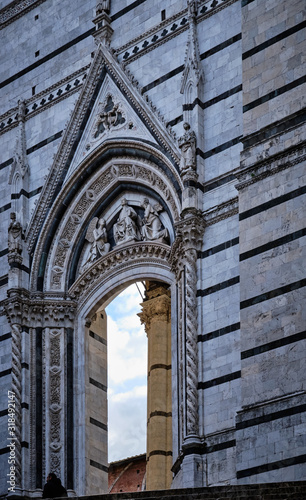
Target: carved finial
column 20, row 165
column 103, row 31
column 192, row 65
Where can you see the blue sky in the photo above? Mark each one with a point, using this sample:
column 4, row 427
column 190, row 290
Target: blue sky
column 127, row 376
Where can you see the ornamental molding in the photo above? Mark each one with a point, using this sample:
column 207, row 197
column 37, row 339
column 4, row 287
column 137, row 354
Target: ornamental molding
column 176, row 24
column 44, row 99
column 220, row 212
column 138, row 254
column 271, row 166
column 32, row 312
column 151, row 31
column 145, row 110
column 17, row 9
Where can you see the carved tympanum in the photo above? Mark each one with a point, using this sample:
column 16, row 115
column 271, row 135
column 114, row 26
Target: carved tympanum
column 129, row 228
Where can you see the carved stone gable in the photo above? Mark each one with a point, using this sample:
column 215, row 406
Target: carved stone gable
column 112, row 117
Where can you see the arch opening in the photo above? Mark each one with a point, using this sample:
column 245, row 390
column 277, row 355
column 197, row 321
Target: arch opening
column 156, row 316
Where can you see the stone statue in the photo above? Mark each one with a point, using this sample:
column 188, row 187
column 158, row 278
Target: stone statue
column 96, row 235
column 187, row 145
column 126, row 227
column 152, row 226
column 14, row 236
column 103, row 6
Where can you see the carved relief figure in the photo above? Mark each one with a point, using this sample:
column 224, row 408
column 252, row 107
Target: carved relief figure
column 108, row 117
column 152, row 226
column 187, row 145
column 96, row 234
column 14, row 235
column 126, row 229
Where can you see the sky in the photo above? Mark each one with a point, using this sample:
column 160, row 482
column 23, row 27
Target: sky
column 127, row 376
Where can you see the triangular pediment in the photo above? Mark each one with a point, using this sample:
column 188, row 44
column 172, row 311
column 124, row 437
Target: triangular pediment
column 112, row 117
column 110, row 107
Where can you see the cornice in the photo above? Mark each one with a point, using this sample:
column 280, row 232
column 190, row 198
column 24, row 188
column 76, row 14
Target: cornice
column 155, row 36
column 17, row 9
column 271, row 166
column 45, row 99
column 221, row 211
column 21, row 308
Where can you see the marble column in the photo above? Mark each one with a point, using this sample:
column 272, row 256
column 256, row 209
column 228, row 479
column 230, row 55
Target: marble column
column 156, row 315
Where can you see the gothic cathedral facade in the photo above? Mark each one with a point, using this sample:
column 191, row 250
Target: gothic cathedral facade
column 159, row 141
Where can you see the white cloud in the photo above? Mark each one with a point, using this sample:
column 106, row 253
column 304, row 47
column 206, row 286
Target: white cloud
column 127, row 427
column 127, row 375
column 127, row 353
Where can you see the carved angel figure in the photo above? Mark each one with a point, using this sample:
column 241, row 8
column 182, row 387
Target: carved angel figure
column 96, row 235
column 152, row 226
column 187, row 145
column 126, row 228
column 14, row 235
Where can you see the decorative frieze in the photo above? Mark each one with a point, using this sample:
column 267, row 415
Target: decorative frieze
column 222, row 211
column 271, row 166
column 17, row 9
column 44, row 100
column 31, row 312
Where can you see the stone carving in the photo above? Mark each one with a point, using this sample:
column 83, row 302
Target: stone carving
column 142, row 252
column 15, row 235
column 103, row 6
column 152, row 226
column 126, row 227
column 187, row 145
column 184, row 261
column 110, row 116
column 96, row 235
column 55, row 400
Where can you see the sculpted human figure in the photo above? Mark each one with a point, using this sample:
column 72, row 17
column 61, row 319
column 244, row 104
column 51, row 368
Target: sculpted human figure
column 125, row 229
column 14, row 235
column 152, row 226
column 187, row 145
column 103, row 6
column 97, row 235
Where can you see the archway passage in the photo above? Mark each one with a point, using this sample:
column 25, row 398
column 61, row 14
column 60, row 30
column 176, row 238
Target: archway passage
column 156, row 315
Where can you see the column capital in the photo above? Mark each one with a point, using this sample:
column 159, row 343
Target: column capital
column 156, row 308
column 189, row 236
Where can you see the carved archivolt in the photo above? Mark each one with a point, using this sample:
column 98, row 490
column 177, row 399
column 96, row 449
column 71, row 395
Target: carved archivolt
column 98, row 187
column 141, row 253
